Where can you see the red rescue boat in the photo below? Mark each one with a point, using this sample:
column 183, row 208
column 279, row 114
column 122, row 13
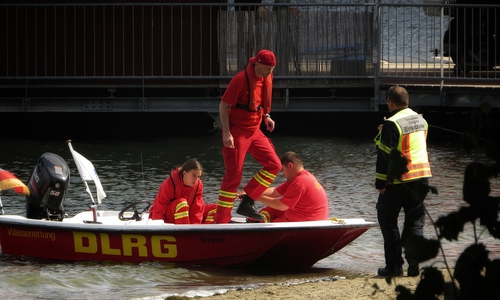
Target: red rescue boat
column 294, row 245
column 130, row 236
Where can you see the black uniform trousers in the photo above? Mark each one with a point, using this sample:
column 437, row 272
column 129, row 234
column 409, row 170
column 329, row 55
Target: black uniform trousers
column 406, row 196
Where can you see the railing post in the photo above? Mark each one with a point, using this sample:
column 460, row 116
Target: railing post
column 441, row 48
column 376, row 55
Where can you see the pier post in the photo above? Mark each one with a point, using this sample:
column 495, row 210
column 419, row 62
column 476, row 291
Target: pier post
column 217, row 124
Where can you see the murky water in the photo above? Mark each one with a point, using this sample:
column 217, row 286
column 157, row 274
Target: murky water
column 132, row 170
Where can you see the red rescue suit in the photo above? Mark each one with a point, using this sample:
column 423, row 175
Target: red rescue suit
column 181, row 204
column 250, row 98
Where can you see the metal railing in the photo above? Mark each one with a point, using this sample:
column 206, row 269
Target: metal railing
column 457, row 44
column 157, row 44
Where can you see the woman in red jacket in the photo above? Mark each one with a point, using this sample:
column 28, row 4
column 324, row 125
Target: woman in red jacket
column 180, row 197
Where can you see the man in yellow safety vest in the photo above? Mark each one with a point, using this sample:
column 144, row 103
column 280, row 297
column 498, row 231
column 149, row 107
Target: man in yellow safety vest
column 404, row 133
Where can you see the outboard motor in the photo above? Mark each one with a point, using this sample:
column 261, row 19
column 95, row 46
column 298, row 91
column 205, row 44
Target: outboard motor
column 48, row 185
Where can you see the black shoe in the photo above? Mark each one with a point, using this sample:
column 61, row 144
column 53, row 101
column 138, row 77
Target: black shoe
column 247, row 208
column 413, row 270
column 388, row 271
column 252, row 220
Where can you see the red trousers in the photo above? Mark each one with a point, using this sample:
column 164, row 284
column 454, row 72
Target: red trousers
column 261, row 148
column 272, row 215
column 180, row 211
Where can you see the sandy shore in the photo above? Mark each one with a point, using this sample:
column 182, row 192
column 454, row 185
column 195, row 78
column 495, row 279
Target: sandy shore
column 359, row 288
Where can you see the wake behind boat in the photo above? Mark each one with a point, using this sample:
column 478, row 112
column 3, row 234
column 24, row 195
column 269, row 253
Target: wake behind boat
column 130, row 236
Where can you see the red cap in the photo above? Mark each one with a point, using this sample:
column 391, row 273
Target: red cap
column 264, row 57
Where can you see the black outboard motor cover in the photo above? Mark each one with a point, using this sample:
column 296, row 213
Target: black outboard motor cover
column 48, row 185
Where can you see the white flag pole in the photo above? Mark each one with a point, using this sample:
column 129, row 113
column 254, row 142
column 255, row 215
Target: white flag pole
column 88, row 191
column 87, row 172
column 1, row 205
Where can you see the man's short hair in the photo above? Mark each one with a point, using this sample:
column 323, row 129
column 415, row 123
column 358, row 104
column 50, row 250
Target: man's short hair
column 292, row 157
column 398, row 95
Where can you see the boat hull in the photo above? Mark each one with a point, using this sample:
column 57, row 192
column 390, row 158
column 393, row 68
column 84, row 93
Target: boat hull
column 284, row 245
column 301, row 249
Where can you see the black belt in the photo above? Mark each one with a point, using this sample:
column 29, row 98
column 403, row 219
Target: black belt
column 247, row 107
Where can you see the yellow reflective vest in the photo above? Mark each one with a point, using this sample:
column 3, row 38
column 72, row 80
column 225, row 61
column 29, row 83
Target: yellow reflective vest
column 412, row 144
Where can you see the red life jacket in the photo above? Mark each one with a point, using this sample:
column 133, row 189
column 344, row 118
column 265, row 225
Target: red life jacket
column 267, row 91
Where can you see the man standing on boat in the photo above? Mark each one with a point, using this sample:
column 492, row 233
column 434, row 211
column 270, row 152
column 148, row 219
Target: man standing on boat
column 243, row 107
column 300, row 198
column 404, row 133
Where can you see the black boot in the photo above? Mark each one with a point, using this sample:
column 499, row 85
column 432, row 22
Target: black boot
column 390, row 271
column 247, row 208
column 413, row 269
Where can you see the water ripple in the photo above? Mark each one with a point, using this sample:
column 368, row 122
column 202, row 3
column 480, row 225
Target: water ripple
column 133, row 170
